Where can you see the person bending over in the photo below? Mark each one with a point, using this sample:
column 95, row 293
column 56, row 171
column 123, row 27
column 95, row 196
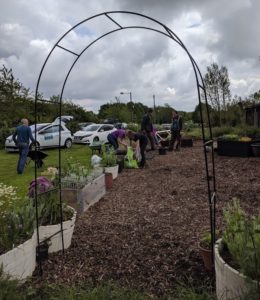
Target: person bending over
column 117, row 137
column 141, row 143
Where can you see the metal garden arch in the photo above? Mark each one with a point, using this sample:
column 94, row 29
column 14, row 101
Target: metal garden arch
column 164, row 30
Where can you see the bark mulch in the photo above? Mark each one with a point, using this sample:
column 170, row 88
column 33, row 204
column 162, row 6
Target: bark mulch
column 143, row 234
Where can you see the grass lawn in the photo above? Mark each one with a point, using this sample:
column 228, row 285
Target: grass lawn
column 8, row 163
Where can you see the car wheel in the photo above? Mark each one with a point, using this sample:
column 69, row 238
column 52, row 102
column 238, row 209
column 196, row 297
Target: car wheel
column 96, row 139
column 68, row 143
column 35, row 145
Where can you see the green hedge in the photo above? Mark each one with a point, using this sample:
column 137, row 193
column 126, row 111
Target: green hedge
column 4, row 133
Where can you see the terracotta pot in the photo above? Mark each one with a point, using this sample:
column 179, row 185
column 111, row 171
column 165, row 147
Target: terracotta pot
column 109, row 180
column 206, row 255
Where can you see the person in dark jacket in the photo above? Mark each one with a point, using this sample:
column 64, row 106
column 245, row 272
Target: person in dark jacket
column 141, row 143
column 22, row 137
column 147, row 127
column 176, row 128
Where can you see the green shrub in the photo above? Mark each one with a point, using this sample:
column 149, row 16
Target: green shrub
column 219, row 131
column 252, row 132
column 109, row 158
column 229, row 137
column 242, row 237
column 4, row 133
column 134, row 127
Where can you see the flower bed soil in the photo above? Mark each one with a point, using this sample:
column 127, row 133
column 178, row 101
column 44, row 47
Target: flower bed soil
column 144, row 233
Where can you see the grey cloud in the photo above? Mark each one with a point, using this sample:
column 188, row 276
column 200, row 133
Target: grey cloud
column 132, row 60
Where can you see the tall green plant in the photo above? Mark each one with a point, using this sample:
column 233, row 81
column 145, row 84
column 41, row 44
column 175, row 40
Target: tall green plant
column 242, row 237
column 109, row 158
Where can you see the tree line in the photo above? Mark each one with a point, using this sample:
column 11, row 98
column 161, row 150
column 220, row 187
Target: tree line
column 17, row 101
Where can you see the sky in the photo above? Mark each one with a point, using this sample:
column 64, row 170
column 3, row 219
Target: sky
column 140, row 61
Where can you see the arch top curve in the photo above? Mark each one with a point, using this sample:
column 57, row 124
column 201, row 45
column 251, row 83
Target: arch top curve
column 109, row 16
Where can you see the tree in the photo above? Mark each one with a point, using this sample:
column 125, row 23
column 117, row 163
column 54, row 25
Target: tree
column 217, row 86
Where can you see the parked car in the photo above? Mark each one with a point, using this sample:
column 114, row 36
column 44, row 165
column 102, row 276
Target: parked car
column 47, row 137
column 95, row 133
column 63, row 119
column 121, row 125
column 85, row 124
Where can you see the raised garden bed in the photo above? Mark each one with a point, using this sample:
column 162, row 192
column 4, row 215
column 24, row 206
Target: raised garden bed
column 230, row 284
column 54, row 239
column 20, row 262
column 81, row 197
column 234, row 148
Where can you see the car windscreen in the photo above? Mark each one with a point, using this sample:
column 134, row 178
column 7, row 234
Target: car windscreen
column 91, row 128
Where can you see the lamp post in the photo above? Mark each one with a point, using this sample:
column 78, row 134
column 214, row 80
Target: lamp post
column 130, row 94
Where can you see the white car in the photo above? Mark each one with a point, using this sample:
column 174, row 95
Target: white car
column 96, row 133
column 47, row 137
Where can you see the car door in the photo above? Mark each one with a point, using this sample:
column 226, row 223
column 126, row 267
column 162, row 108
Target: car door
column 101, row 134
column 106, row 130
column 49, row 137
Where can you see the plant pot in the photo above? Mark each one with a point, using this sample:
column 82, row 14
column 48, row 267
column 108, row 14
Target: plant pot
column 162, row 151
column 165, row 143
column 20, row 262
column 185, row 142
column 52, row 235
column 256, row 149
column 109, row 180
column 234, row 148
column 42, row 252
column 206, row 255
column 113, row 170
column 230, row 284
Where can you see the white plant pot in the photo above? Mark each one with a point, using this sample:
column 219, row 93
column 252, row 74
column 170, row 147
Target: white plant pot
column 55, row 242
column 20, row 262
column 230, row 284
column 113, row 170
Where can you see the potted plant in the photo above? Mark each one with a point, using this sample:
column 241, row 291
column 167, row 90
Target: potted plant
column 233, row 145
column 17, row 238
column 206, row 251
column 237, row 255
column 109, row 162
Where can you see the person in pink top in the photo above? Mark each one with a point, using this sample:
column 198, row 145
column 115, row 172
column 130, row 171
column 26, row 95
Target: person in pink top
column 117, row 137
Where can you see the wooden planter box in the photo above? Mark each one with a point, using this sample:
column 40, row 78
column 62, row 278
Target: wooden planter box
column 186, row 142
column 81, row 198
column 20, row 262
column 234, row 148
column 230, row 284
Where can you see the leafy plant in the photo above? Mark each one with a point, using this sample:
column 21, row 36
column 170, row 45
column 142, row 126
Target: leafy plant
column 74, row 170
column 17, row 225
column 109, row 158
column 49, row 208
column 229, row 137
column 206, row 240
column 242, row 237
